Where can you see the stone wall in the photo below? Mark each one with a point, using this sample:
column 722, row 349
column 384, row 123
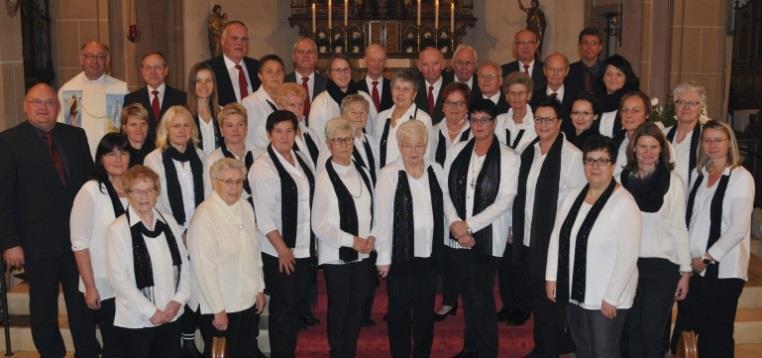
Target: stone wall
column 11, row 71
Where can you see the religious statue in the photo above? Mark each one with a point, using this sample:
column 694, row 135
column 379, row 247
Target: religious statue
column 535, row 20
column 216, row 24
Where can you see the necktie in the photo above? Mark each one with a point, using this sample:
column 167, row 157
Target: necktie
column 431, row 100
column 589, row 80
column 554, row 95
column 375, row 96
column 306, row 86
column 155, row 107
column 526, row 69
column 56, row 157
column 242, row 84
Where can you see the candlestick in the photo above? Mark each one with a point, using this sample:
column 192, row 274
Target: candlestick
column 330, row 13
column 314, row 20
column 418, row 18
column 436, row 14
column 346, row 13
column 452, row 19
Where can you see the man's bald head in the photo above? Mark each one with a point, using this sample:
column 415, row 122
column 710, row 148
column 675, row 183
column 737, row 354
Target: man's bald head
column 375, row 60
column 525, row 44
column 431, row 64
column 556, row 69
column 94, row 58
column 41, row 106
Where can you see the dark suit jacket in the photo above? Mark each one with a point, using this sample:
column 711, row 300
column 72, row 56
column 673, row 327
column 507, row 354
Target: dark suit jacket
column 502, row 105
column 421, row 99
column 317, row 88
column 575, row 81
column 172, row 97
column 34, row 204
column 225, row 91
column 538, row 76
column 386, row 93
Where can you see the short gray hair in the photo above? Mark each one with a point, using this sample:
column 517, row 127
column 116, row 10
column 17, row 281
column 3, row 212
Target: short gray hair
column 336, row 124
column 691, row 86
column 226, row 164
column 410, row 129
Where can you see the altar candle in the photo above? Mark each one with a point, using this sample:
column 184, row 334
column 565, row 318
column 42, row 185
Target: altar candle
column 314, row 19
column 330, row 13
column 436, row 14
column 346, row 13
column 418, row 18
column 452, row 19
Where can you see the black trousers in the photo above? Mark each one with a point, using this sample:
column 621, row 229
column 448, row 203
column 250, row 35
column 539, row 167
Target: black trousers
column 373, row 283
column 310, row 298
column 287, row 294
column 710, row 310
column 475, row 276
column 595, row 336
column 44, row 277
column 549, row 334
column 514, row 284
column 153, row 342
column 104, row 317
column 411, row 299
column 241, row 327
column 347, row 286
column 646, row 323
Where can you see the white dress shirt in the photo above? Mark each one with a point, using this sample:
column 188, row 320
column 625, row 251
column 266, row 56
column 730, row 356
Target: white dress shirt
column 494, row 98
column 208, row 142
column 324, row 108
column 441, row 127
column 505, row 121
column 612, row 250
column 257, row 110
column 423, row 215
column 217, row 155
column 266, row 187
column 225, row 257
column 572, row 176
column 91, row 215
column 133, row 309
column 498, row 213
column 392, row 148
column 325, row 213
column 184, row 176
column 732, row 248
column 233, row 73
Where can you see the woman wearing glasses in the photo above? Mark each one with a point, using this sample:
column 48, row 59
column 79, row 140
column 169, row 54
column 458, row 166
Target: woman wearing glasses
column 582, row 122
column 690, row 110
column 593, row 253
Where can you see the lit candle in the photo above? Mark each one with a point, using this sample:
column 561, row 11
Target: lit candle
column 346, row 13
column 452, row 19
column 418, row 18
column 314, row 19
column 436, row 14
column 330, row 13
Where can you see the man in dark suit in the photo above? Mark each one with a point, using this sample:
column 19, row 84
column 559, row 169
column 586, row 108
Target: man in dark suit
column 43, row 165
column 490, row 82
column 585, row 73
column 525, row 49
column 464, row 66
column 375, row 84
column 235, row 73
column 431, row 64
column 556, row 68
column 304, row 56
column 156, row 96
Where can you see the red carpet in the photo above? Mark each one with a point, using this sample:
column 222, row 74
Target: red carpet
column 448, row 335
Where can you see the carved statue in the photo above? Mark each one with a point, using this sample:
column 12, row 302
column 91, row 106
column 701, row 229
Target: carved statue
column 535, row 20
column 215, row 25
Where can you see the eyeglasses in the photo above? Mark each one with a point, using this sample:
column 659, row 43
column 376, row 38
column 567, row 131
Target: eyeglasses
column 341, row 70
column 689, row 104
column 545, row 120
column 590, row 162
column 236, row 182
column 40, row 103
column 581, row 113
column 454, row 103
column 343, row 140
column 480, row 121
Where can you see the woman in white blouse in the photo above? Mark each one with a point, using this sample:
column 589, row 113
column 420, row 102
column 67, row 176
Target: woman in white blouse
column 341, row 219
column 148, row 269
column 202, row 103
column 404, row 89
column 718, row 214
column 516, row 127
column 283, row 184
column 593, row 253
column 97, row 204
column 261, row 103
column 455, row 127
column 226, row 261
column 690, row 112
column 664, row 265
column 410, row 230
column 290, row 97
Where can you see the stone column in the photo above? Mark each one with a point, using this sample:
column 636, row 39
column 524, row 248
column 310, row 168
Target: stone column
column 11, row 71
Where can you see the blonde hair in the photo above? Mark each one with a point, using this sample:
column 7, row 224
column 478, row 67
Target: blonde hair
column 288, row 89
column 162, row 132
column 133, row 110
column 140, row 172
column 734, row 154
column 231, row 109
column 354, row 98
column 336, row 124
column 412, row 129
column 226, row 164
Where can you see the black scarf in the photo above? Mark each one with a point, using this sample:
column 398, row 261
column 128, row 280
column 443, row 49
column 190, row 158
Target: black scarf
column 617, row 133
column 312, row 148
column 371, row 165
column 441, row 153
column 649, row 192
column 272, row 105
column 695, row 135
column 580, row 251
column 579, row 139
column 385, row 136
column 715, row 215
column 115, row 202
column 336, row 93
column 138, row 155
column 544, row 209
column 141, row 259
column 403, row 239
column 217, row 134
column 485, row 192
column 347, row 211
column 174, row 192
column 515, row 140
column 247, row 161
column 289, row 195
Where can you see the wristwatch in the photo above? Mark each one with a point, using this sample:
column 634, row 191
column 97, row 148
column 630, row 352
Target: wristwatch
column 706, row 261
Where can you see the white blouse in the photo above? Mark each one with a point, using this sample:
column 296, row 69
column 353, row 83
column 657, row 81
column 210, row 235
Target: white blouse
column 392, row 148
column 325, row 213
column 208, row 142
column 184, row 176
column 498, row 214
column 423, row 215
column 257, row 110
column 732, row 248
column 359, row 146
column 225, row 257
column 133, row 309
column 612, row 250
column 606, row 124
column 505, row 121
column 266, row 187
column 324, row 108
column 91, row 215
column 682, row 151
column 213, row 158
column 441, row 127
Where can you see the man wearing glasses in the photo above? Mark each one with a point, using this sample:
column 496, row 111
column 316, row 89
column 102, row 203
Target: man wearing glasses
column 525, row 49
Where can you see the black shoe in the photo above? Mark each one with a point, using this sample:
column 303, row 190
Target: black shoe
column 190, row 350
column 466, row 354
column 310, row 321
column 441, row 317
column 367, row 322
column 517, row 318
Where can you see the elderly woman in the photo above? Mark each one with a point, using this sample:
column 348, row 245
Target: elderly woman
column 664, row 264
column 202, row 103
column 690, row 110
column 593, row 253
column 410, row 230
column 617, row 80
column 404, row 89
column 582, row 122
column 261, row 103
column 291, row 97
column 283, row 184
column 327, row 104
column 226, row 261
column 481, row 184
column 516, row 128
column 135, row 127
column 455, row 127
column 718, row 215
column 341, row 219
column 97, row 204
column 354, row 108
column 148, row 269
